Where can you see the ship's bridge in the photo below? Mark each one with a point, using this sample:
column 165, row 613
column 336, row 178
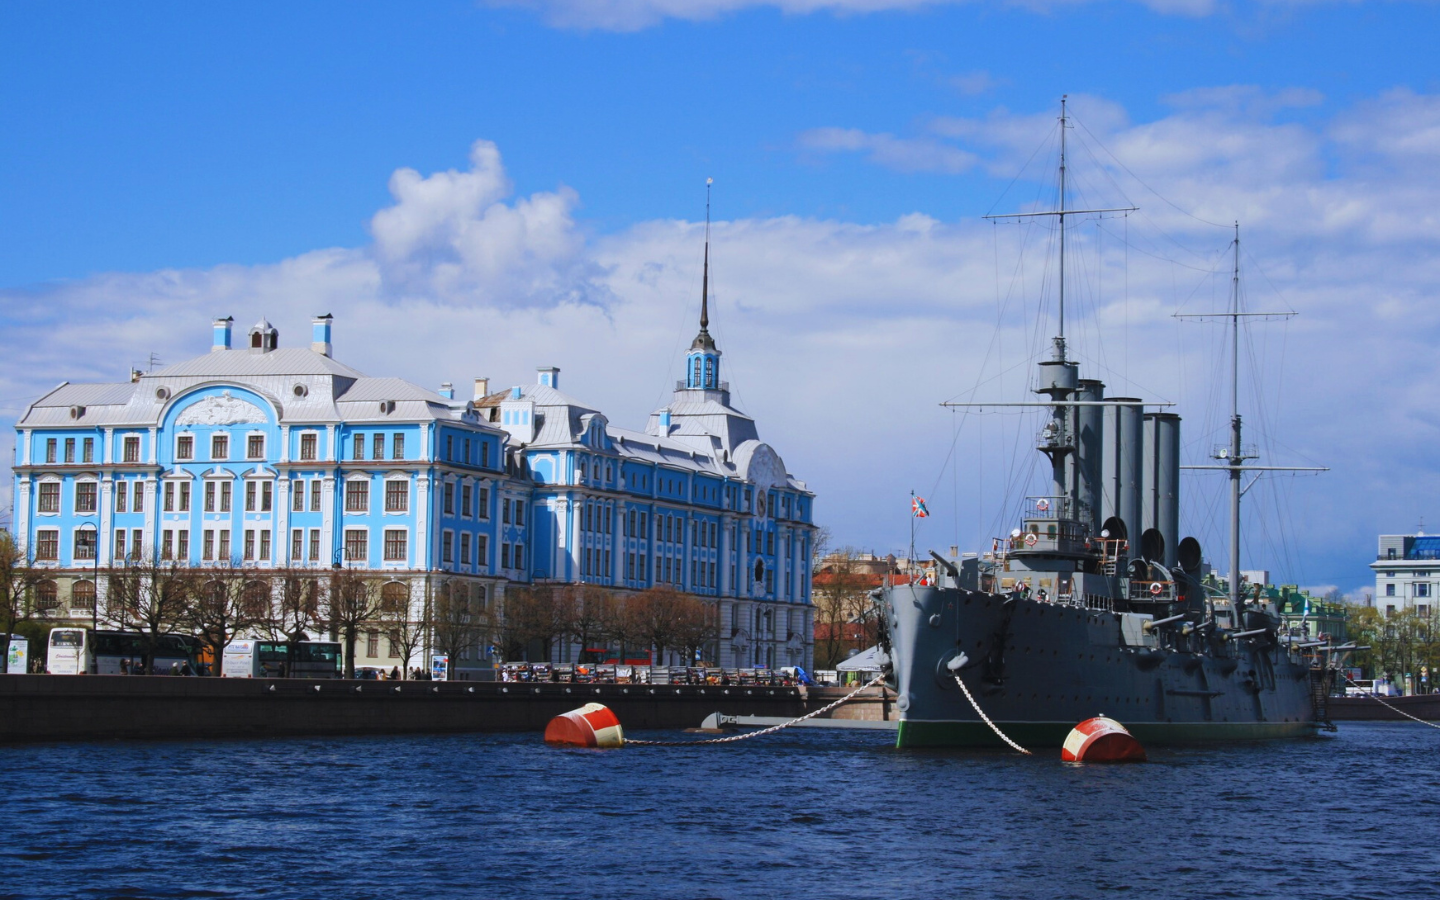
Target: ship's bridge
column 1050, row 525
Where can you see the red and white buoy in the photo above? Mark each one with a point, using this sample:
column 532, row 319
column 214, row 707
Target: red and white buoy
column 1101, row 740
column 592, row 725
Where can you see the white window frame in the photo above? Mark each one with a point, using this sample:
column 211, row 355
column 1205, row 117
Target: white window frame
column 59, row 496
column 385, row 501
column 345, row 497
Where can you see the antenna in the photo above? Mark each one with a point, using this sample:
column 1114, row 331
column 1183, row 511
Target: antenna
column 1061, row 213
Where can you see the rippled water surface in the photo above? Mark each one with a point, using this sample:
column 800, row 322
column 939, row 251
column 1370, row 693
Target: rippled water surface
column 799, row 814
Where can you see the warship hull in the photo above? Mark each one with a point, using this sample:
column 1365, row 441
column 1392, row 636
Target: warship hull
column 1037, row 669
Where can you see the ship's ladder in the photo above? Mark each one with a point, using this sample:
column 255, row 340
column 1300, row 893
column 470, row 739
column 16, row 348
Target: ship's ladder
column 1320, row 697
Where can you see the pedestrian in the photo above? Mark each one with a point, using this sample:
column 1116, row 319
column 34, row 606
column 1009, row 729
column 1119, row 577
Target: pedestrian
column 124, row 667
column 395, row 674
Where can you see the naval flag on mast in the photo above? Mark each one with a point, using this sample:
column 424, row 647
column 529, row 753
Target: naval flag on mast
column 917, row 508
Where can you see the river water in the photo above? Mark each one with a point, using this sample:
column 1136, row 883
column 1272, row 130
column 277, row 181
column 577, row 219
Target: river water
column 799, row 814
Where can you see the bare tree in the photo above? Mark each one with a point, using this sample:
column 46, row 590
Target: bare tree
column 458, row 621
column 658, row 609
column 349, row 602
column 697, row 626
column 151, row 595
column 19, row 580
column 629, row 624
column 533, row 615
column 588, row 614
column 225, row 602
column 295, row 606
column 404, row 629
column 841, row 596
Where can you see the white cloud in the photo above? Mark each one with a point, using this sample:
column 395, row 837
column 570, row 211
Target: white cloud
column 633, row 15
column 900, row 154
column 972, row 84
column 450, row 234
column 842, row 337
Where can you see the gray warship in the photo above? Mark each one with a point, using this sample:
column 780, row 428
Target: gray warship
column 1093, row 606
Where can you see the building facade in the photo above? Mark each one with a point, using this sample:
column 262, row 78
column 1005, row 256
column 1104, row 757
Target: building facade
column 269, row 457
column 1407, row 573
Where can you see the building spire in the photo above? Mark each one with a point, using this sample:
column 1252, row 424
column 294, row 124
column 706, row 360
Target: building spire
column 702, row 363
column 705, row 279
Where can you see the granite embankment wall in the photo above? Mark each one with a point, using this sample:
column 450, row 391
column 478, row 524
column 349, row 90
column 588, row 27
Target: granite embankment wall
column 103, row 707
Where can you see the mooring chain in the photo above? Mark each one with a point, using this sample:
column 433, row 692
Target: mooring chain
column 993, row 727
column 1376, row 698
column 754, row 734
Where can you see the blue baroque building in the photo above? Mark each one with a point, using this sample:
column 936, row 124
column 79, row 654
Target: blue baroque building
column 272, row 457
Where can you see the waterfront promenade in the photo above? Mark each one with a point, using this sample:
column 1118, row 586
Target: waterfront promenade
column 49, row 708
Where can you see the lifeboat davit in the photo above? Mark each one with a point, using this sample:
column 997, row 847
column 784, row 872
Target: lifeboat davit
column 592, row 725
column 1101, row 740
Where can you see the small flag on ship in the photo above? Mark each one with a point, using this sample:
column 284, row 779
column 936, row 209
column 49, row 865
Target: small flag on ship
column 917, row 508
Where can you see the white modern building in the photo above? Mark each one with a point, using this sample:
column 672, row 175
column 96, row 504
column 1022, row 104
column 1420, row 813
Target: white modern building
column 1407, row 572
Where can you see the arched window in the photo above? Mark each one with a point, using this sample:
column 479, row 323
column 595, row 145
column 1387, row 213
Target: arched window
column 695, row 381
column 710, row 371
column 256, row 599
column 395, row 597
column 82, row 595
column 759, row 570
column 47, row 596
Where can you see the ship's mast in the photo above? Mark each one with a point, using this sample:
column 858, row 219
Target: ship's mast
column 1057, row 377
column 1233, row 457
column 1236, row 454
column 1060, row 337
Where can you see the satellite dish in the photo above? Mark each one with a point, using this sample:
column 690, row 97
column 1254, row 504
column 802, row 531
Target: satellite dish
column 1152, row 545
column 1189, row 555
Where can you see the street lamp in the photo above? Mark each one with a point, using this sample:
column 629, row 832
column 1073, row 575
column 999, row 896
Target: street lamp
column 95, row 580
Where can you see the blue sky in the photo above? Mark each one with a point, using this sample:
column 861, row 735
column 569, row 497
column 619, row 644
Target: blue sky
column 169, row 162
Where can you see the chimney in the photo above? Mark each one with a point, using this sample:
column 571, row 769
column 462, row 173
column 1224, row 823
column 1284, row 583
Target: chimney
column 320, row 334
column 222, row 334
column 549, row 376
column 447, row 390
column 665, row 422
column 482, row 388
column 135, row 375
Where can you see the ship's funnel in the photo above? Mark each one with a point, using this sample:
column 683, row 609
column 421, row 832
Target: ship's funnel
column 1160, row 498
column 1121, row 470
column 1089, row 432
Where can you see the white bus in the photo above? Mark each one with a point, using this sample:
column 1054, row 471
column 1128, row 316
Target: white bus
column 78, row 651
column 279, row 659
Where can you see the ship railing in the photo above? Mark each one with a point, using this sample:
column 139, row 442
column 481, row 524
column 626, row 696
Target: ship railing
column 1049, row 508
column 1110, row 551
column 1143, row 591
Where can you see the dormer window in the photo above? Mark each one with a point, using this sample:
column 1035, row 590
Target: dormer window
column 263, row 337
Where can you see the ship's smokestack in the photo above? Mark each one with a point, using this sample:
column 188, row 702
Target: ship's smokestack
column 1161, row 494
column 1121, row 474
column 1089, row 446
